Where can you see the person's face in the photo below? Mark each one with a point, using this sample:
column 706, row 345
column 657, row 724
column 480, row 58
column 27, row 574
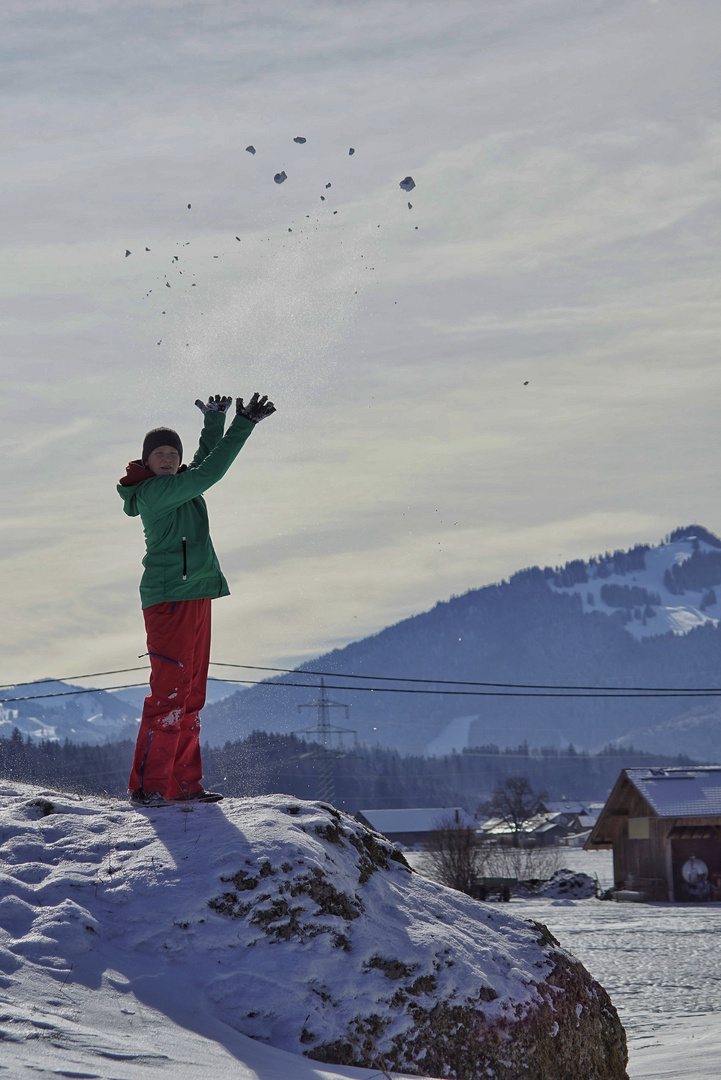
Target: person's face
column 164, row 461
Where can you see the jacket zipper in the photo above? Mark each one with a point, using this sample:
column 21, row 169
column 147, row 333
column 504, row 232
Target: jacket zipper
column 185, row 560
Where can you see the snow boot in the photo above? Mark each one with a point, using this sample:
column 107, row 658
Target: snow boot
column 147, row 798
column 201, row 796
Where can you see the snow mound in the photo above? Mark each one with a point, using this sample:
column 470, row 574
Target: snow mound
column 569, row 885
column 293, row 924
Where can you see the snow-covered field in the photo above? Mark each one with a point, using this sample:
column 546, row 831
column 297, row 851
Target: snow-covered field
column 659, row 963
column 84, row 987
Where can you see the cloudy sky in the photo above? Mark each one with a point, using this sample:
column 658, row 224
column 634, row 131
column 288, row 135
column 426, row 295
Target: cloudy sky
column 522, row 368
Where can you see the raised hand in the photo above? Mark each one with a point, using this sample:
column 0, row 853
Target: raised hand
column 215, row 404
column 257, row 408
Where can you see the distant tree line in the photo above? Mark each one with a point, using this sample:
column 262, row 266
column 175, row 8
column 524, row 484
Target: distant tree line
column 628, row 596
column 577, row 572
column 700, row 571
column 365, row 778
column 78, row 767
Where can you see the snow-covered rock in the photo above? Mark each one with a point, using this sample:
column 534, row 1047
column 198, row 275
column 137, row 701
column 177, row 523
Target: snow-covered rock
column 569, row 885
column 293, row 924
column 564, row 884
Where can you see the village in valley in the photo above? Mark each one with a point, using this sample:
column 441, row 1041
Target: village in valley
column 662, row 826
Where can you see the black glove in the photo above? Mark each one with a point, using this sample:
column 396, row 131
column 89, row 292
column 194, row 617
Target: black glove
column 215, row 404
column 257, row 408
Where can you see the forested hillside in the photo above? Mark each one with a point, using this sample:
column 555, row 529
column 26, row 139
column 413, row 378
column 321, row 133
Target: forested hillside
column 647, row 617
column 565, row 626
column 363, row 778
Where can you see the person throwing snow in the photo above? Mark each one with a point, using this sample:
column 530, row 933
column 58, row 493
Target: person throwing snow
column 182, row 575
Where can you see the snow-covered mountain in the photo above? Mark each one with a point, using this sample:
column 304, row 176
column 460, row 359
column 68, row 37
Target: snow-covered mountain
column 651, row 590
column 649, row 616
column 52, row 710
column 645, row 617
column 55, row 711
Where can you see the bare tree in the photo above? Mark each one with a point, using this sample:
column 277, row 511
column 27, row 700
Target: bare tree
column 515, row 802
column 454, row 855
column 523, row 864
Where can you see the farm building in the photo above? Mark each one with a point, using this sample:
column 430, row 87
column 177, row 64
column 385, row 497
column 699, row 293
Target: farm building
column 413, row 826
column 664, row 826
column 542, row 830
column 557, row 823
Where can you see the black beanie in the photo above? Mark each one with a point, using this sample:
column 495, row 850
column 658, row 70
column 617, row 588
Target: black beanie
column 161, row 436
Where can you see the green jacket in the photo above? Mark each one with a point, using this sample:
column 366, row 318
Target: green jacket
column 180, row 563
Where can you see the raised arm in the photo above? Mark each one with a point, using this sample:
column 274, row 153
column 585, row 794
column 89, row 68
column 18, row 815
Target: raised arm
column 161, row 494
column 213, row 424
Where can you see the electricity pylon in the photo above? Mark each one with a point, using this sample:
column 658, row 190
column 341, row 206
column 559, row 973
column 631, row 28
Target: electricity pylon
column 324, row 732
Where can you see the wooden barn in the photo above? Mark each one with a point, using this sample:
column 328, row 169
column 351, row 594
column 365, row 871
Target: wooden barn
column 664, row 826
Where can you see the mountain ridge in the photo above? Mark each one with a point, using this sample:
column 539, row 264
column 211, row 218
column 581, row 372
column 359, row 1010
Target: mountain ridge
column 628, row 618
column 642, row 617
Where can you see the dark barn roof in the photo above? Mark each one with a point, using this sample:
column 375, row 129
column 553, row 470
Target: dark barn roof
column 678, row 792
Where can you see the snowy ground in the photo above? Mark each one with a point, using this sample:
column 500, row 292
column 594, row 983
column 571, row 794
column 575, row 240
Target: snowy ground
column 659, row 963
column 101, row 974
column 74, row 1004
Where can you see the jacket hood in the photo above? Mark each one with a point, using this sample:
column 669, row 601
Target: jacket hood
column 128, row 486
column 135, row 473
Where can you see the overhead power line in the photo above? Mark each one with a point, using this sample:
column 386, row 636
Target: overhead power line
column 465, row 682
column 71, row 678
column 609, row 694
column 487, row 689
column 69, row 693
column 635, row 690
column 605, row 693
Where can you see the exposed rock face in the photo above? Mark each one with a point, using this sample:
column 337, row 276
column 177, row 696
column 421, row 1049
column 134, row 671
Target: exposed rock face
column 387, row 969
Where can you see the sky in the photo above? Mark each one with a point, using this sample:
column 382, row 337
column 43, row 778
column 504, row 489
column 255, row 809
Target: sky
column 520, row 369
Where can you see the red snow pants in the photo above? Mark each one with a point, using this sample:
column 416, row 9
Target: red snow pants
column 167, row 751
